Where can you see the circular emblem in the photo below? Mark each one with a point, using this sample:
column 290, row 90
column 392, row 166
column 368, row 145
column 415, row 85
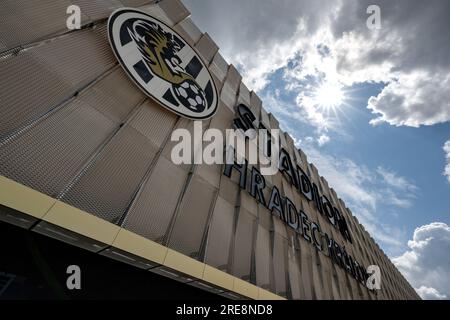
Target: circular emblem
column 162, row 64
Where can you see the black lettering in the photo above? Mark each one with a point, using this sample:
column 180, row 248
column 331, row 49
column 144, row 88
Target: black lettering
column 292, row 214
column 275, row 203
column 286, row 167
column 343, row 227
column 328, row 209
column 306, row 226
column 316, row 197
column 246, row 118
column 257, row 185
column 304, row 185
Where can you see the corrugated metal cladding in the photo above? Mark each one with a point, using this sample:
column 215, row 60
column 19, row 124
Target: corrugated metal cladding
column 73, row 126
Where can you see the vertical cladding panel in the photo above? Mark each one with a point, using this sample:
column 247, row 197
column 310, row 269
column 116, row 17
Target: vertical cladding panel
column 108, row 184
column 306, row 268
column 280, row 247
column 210, row 172
column 207, row 48
column 156, row 11
column 154, row 122
column 37, row 79
column 223, row 119
column 229, row 190
column 97, row 9
column 190, row 223
column 263, row 257
column 153, row 209
column 243, row 244
column 244, row 95
column 183, row 124
column 79, row 57
column 294, row 274
column 27, row 90
column 219, row 67
column 228, row 96
column 220, row 235
column 189, row 31
column 25, row 21
column 114, row 95
column 48, row 155
column 174, row 9
column 135, row 3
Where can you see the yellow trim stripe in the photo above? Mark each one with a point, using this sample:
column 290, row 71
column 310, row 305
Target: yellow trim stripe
column 24, row 199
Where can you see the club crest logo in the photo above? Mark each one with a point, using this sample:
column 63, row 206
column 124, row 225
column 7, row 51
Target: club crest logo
column 162, row 64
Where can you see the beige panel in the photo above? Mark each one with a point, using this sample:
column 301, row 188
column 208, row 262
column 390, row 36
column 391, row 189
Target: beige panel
column 174, row 9
column 245, row 288
column 153, row 209
column 97, row 9
column 154, row 122
column 220, row 235
column 184, row 264
column 191, row 221
column 219, row 278
column 219, row 67
column 135, row 244
column 24, row 199
column 207, row 48
column 25, row 21
column 155, row 11
column 189, row 31
column 76, row 220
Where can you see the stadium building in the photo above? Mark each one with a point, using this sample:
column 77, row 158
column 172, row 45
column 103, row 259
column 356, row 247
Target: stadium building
column 86, row 176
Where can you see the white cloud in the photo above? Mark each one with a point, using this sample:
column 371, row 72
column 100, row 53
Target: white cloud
column 323, row 139
column 426, row 264
column 329, row 41
column 447, row 157
column 430, row 293
column 418, row 98
column 364, row 190
column 396, row 181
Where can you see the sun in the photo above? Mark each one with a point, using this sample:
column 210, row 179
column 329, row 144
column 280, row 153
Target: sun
column 329, row 95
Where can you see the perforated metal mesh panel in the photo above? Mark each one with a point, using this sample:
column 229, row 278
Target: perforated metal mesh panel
column 155, row 205
column 135, row 3
column 279, row 262
column 24, row 21
column 97, row 9
column 263, row 257
column 243, row 244
column 114, row 95
column 191, row 221
column 109, row 183
column 78, row 57
column 40, row 78
column 48, row 155
column 27, row 90
column 220, row 235
column 154, row 122
column 296, row 287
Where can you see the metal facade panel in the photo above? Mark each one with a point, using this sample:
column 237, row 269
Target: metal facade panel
column 154, row 207
column 25, row 21
column 40, row 78
column 49, row 155
column 108, row 184
column 191, row 221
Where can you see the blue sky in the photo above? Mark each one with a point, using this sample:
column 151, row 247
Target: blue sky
column 370, row 108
